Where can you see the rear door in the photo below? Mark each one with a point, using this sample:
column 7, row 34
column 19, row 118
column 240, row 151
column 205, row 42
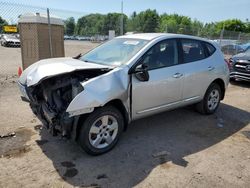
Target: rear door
column 198, row 69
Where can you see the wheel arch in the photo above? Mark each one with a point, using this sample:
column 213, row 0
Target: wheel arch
column 117, row 103
column 221, row 83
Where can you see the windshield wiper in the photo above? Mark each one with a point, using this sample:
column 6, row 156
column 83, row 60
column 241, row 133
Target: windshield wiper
column 78, row 56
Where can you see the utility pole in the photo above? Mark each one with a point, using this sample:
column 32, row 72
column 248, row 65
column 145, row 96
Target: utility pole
column 222, row 33
column 50, row 34
column 121, row 26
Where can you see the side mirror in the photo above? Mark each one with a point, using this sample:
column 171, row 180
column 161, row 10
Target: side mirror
column 141, row 73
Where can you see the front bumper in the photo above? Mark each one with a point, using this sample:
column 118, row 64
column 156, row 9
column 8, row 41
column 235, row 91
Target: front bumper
column 23, row 91
column 10, row 43
column 240, row 75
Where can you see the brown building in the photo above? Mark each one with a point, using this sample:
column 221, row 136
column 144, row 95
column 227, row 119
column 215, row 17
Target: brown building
column 35, row 41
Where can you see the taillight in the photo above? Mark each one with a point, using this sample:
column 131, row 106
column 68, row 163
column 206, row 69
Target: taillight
column 19, row 72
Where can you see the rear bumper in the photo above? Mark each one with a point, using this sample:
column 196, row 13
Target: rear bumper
column 240, row 76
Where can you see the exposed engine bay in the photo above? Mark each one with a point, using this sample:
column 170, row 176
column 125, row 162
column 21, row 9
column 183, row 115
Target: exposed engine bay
column 50, row 98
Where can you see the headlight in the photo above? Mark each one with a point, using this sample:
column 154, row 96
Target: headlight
column 23, row 91
column 82, row 111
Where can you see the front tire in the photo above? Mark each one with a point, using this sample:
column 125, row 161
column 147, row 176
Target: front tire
column 211, row 100
column 101, row 130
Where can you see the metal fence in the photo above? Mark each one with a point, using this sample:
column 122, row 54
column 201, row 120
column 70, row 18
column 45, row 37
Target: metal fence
column 232, row 42
column 79, row 37
column 35, row 45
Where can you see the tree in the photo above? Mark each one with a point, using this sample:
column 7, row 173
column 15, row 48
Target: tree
column 2, row 23
column 93, row 24
column 197, row 27
column 168, row 24
column 148, row 21
column 232, row 25
column 185, row 25
column 90, row 25
column 70, row 26
column 151, row 21
column 174, row 23
column 133, row 22
column 248, row 27
column 112, row 21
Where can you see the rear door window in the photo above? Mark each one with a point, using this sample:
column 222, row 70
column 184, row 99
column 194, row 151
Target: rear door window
column 192, row 50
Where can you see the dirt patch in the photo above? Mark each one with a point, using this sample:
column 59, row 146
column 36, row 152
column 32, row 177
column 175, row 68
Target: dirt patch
column 7, row 80
column 16, row 146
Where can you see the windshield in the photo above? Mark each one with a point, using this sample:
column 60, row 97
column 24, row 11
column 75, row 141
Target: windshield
column 115, row 52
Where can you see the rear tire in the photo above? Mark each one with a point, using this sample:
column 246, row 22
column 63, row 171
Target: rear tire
column 211, row 100
column 101, row 130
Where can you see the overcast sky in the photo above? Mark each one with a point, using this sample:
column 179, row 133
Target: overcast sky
column 203, row 10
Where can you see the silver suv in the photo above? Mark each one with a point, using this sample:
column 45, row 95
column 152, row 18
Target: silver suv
column 93, row 97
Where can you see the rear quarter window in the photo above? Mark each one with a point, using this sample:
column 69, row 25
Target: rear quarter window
column 192, row 50
column 210, row 48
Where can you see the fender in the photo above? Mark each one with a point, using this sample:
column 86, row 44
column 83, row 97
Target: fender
column 100, row 90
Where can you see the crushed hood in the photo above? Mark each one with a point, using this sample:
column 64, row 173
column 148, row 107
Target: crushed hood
column 52, row 67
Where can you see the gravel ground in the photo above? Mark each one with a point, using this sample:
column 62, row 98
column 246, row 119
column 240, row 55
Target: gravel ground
column 180, row 148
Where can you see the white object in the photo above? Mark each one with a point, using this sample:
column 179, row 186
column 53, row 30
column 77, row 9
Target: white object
column 39, row 18
column 111, row 34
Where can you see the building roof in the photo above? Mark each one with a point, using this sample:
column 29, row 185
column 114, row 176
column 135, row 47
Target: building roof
column 39, row 18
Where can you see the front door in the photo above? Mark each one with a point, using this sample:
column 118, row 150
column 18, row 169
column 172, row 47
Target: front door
column 163, row 90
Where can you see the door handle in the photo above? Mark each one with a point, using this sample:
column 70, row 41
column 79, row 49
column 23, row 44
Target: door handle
column 177, row 75
column 210, row 68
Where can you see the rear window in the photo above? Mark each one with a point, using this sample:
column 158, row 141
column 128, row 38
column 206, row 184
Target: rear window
column 192, row 50
column 210, row 48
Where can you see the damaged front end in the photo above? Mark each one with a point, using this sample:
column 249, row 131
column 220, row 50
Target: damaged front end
column 50, row 98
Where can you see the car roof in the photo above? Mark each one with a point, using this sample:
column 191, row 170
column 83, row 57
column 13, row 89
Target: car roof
column 152, row 36
column 9, row 36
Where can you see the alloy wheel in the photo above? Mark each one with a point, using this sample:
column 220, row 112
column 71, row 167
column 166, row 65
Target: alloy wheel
column 103, row 131
column 213, row 99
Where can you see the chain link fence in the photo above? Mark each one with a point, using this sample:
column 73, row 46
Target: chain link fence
column 232, row 42
column 68, row 33
column 46, row 36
